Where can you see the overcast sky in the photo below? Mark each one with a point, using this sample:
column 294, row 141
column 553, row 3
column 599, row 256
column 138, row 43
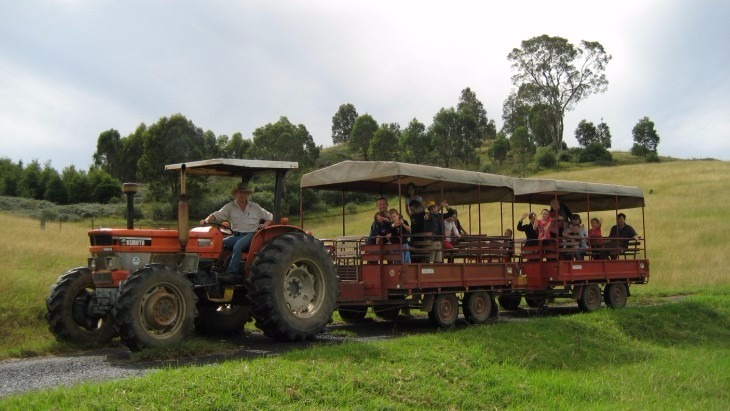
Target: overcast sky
column 71, row 69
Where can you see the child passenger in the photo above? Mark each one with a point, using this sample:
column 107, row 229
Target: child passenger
column 575, row 236
column 542, row 226
column 451, row 232
column 383, row 226
column 399, row 233
column 596, row 240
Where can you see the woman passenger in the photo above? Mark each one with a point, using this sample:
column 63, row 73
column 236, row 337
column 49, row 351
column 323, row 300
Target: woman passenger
column 595, row 238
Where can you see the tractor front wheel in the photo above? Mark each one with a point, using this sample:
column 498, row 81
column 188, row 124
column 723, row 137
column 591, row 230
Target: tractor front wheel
column 156, row 307
column 70, row 312
column 294, row 287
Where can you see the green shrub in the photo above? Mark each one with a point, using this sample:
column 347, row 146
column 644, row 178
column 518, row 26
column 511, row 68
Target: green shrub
column 595, row 152
column 163, row 212
column 546, row 158
column 638, row 150
column 265, row 199
column 566, row 156
column 652, row 158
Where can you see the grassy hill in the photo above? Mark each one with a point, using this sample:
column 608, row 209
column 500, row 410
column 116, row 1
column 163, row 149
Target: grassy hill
column 582, row 360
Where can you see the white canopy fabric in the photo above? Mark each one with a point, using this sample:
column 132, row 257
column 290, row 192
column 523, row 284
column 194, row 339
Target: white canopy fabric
column 578, row 196
column 469, row 187
column 432, row 183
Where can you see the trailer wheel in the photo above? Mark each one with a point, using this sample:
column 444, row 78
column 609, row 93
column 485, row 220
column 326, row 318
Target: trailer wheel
column 590, row 298
column 352, row 313
column 156, row 307
column 477, row 307
column 387, row 312
column 536, row 302
column 616, row 295
column 221, row 319
column 510, row 302
column 68, row 310
column 445, row 310
column 294, row 287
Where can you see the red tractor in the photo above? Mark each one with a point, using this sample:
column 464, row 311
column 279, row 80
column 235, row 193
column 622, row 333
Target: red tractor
column 154, row 287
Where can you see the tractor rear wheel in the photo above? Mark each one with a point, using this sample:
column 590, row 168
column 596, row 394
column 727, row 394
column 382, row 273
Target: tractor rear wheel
column 156, row 307
column 69, row 313
column 294, row 287
column 477, row 307
column 221, row 319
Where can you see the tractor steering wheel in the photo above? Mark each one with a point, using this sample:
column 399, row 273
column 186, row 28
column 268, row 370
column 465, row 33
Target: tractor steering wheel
column 224, row 227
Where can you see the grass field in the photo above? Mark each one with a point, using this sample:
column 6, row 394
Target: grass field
column 669, row 356
column 645, row 356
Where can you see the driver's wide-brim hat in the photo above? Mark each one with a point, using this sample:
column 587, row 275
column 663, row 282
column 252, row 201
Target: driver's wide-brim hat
column 241, row 187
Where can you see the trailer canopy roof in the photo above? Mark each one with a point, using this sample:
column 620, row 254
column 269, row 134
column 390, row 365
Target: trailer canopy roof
column 575, row 194
column 232, row 167
column 432, row 183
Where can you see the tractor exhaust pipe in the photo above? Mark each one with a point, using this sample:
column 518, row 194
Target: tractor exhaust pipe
column 183, row 213
column 130, row 189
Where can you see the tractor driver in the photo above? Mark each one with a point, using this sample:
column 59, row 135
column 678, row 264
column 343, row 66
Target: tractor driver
column 246, row 218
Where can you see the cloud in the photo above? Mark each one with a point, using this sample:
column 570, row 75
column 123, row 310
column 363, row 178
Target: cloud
column 76, row 68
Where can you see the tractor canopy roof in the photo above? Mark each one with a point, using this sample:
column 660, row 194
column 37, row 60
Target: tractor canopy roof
column 232, row 167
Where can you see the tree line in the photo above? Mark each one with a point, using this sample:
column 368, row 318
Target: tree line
column 551, row 77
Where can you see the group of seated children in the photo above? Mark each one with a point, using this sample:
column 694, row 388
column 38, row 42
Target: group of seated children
column 389, row 227
column 433, row 230
column 560, row 223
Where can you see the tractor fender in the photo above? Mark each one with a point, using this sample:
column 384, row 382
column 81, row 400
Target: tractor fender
column 265, row 235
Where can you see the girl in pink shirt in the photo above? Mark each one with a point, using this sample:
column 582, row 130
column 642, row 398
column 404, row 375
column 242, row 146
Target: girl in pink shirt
column 542, row 226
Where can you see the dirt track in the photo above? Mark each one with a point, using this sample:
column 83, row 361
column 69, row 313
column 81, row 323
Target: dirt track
column 18, row 376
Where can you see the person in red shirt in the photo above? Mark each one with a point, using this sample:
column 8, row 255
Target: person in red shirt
column 542, row 226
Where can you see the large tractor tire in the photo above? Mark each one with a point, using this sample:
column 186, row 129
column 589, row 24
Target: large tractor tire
column 69, row 310
column 221, row 319
column 156, row 307
column 294, row 287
